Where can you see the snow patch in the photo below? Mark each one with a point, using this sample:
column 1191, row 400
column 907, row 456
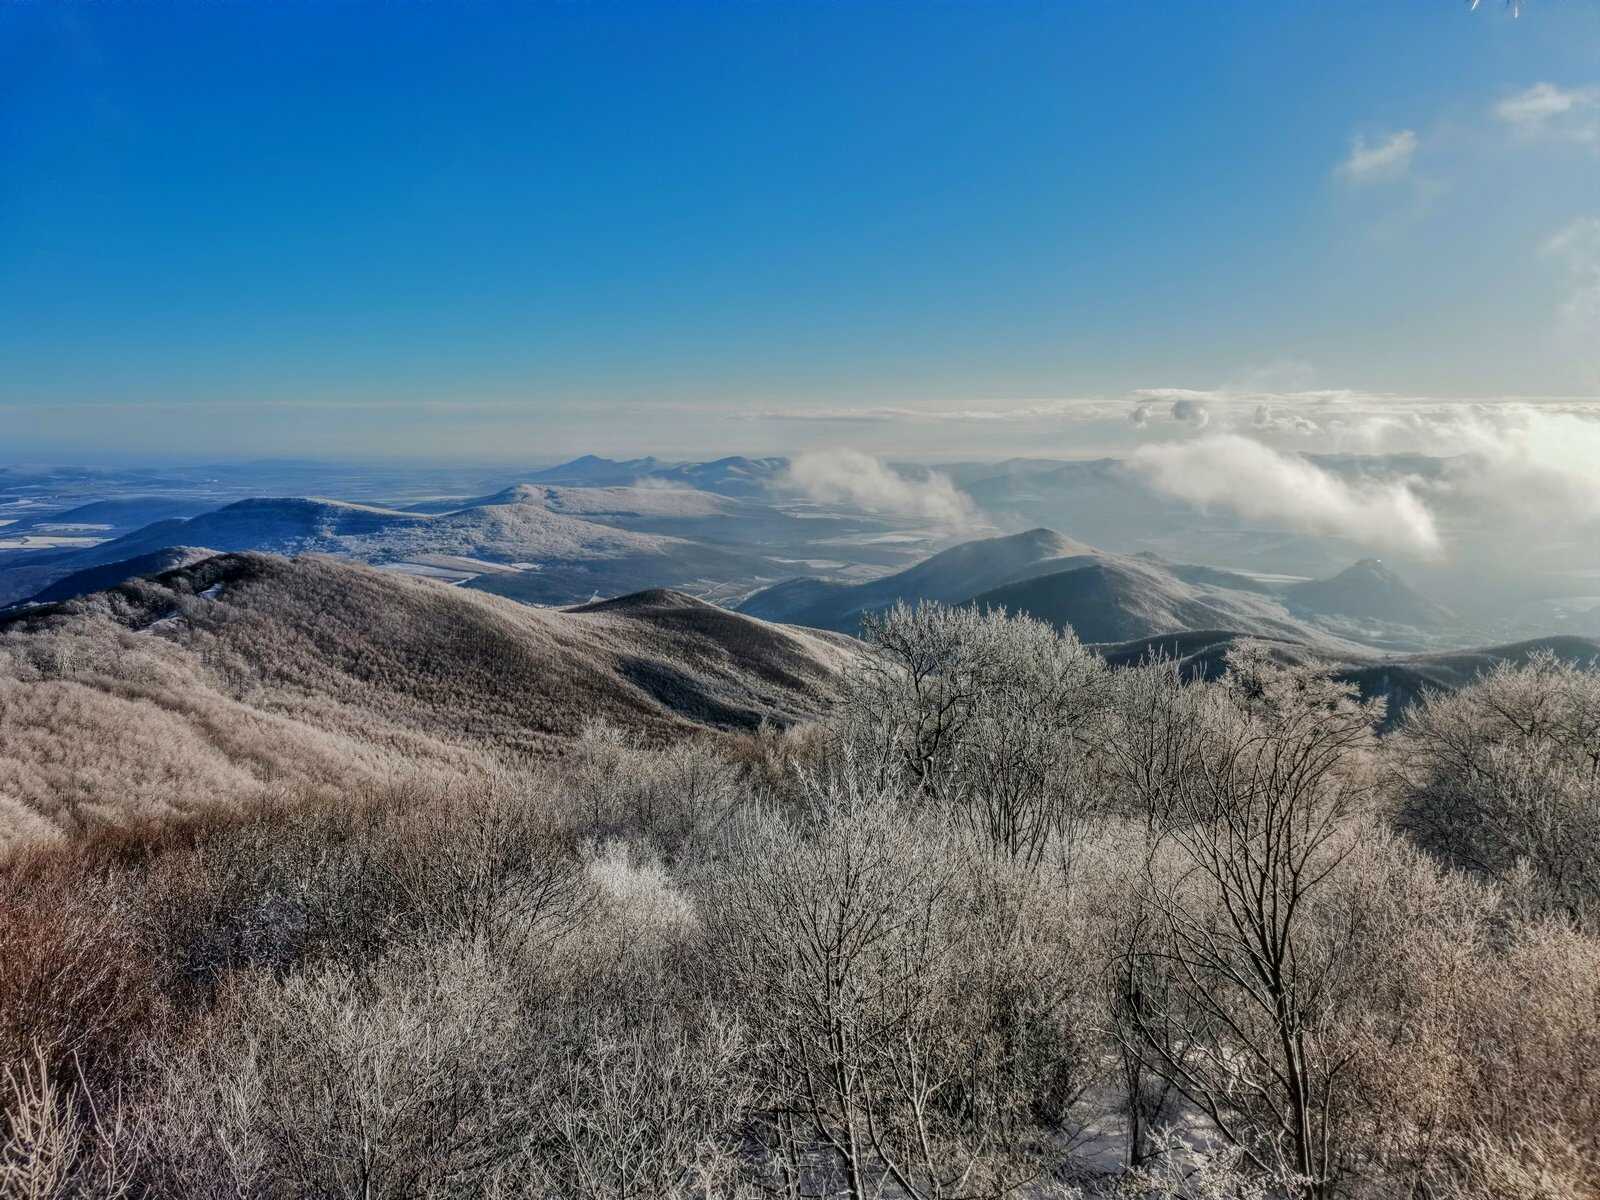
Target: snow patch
column 169, row 620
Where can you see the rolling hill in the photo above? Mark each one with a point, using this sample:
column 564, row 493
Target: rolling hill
column 1368, row 590
column 109, row 575
column 590, row 470
column 618, row 501
column 1115, row 598
column 511, row 543
column 952, row 576
column 244, row 676
column 121, row 515
column 735, row 475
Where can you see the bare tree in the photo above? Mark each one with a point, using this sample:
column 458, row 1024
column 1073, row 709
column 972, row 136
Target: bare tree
column 835, row 934
column 1155, row 737
column 1251, row 974
column 1507, row 770
column 650, row 1110
column 995, row 719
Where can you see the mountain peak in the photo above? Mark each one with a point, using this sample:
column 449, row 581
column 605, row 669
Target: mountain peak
column 1368, row 589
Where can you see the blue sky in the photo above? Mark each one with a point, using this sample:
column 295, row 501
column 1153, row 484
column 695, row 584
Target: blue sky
column 475, row 230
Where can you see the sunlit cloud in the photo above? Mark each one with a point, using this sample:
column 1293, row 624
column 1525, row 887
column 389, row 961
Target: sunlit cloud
column 844, row 476
column 1257, row 482
column 1577, row 248
column 1549, row 111
column 1383, row 159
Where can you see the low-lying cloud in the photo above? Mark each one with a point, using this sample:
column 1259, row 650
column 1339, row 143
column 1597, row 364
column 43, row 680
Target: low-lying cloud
column 862, row 481
column 1260, row 483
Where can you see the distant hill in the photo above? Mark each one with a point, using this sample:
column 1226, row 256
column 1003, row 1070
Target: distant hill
column 545, row 556
column 123, row 514
column 1114, row 599
column 246, row 675
column 952, row 576
column 1371, row 591
column 732, row 476
column 592, row 471
column 606, row 501
column 100, row 578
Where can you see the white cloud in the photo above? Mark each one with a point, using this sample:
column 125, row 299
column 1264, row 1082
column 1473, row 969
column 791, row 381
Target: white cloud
column 1523, row 464
column 1191, row 412
column 1260, row 483
column 1176, row 393
column 1384, row 159
column 1577, row 247
column 851, row 477
column 1504, row 473
column 1348, row 420
column 1270, row 420
column 1546, row 110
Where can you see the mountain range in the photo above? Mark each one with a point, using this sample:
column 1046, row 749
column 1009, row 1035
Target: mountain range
column 511, row 543
column 1114, row 598
column 735, row 475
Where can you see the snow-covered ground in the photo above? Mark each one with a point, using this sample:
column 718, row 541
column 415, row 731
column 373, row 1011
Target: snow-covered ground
column 34, row 541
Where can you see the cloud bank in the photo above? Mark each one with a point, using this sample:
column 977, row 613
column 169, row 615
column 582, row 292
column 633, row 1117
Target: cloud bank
column 1260, row 483
column 1499, row 474
column 851, row 477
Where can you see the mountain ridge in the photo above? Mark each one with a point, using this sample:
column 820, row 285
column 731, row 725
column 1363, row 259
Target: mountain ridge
column 952, row 576
column 248, row 674
column 547, row 557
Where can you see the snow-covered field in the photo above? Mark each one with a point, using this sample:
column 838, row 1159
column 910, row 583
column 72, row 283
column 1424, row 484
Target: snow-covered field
column 34, row 541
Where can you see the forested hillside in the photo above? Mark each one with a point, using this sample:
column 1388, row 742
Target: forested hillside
column 1003, row 921
column 247, row 676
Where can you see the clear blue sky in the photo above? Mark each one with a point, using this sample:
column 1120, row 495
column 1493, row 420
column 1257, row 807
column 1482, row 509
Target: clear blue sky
column 478, row 230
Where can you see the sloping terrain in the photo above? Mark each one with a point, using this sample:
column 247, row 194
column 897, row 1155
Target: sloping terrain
column 735, row 475
column 244, row 674
column 100, row 578
column 590, row 502
column 121, row 515
column 732, row 476
column 590, row 470
column 1368, row 590
column 544, row 556
column 952, row 576
column 1114, row 599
